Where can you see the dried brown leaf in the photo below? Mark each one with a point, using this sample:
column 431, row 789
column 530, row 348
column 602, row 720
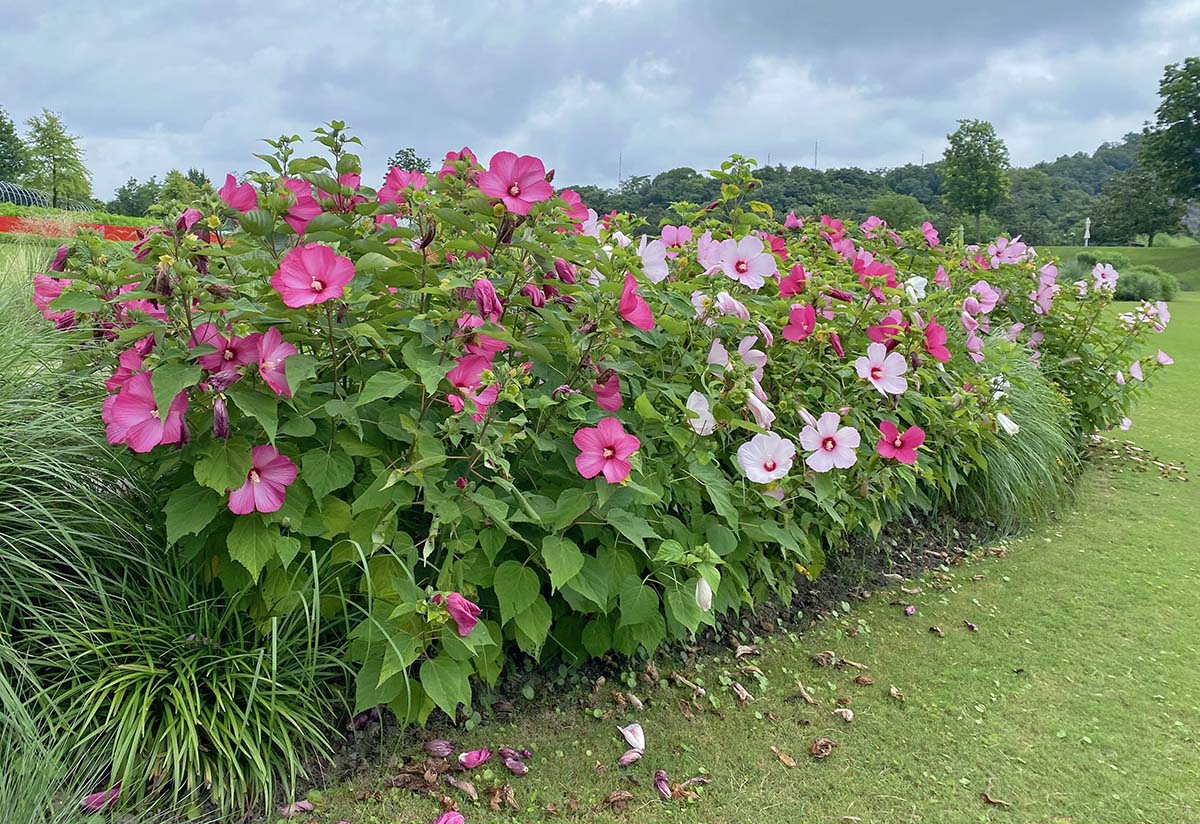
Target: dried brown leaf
column 937, row 631
column 864, row 680
column 824, row 659
column 463, row 786
column 742, row 650
column 617, row 801
column 805, row 695
column 743, row 695
column 784, row 759
column 822, row 747
column 895, row 693
column 996, row 802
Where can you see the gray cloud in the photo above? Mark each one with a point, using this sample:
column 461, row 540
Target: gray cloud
column 661, row 84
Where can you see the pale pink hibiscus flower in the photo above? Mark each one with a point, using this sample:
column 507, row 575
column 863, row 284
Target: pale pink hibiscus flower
column 1164, row 359
column 605, row 448
column 884, row 370
column 312, row 274
column 766, row 458
column 654, row 259
column 703, row 422
column 518, row 182
column 727, row 304
column 830, row 444
column 265, row 489
column 675, row 238
column 746, row 262
column 1105, row 276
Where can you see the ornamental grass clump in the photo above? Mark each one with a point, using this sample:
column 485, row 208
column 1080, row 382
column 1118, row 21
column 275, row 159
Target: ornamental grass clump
column 501, row 423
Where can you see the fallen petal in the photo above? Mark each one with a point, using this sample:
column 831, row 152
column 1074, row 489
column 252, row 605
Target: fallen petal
column 296, row 808
column 784, row 759
column 630, row 757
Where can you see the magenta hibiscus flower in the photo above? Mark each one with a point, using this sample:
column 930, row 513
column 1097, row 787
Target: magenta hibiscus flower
column 133, row 418
column 897, row 445
column 266, row 483
column 605, row 448
column 312, row 274
column 518, row 182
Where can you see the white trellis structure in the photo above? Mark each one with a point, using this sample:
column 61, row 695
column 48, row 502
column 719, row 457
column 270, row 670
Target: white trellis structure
column 22, row 196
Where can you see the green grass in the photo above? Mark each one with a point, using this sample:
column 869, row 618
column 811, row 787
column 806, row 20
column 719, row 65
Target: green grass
column 1182, row 262
column 1076, row 701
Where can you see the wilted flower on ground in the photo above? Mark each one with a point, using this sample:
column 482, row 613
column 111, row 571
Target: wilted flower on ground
column 473, row 758
column 634, row 735
column 439, row 748
column 662, row 785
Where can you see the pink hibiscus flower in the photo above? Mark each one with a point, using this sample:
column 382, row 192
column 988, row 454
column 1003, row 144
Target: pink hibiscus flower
column 608, row 391
column 832, row 229
column 518, row 182
column 464, row 613
column 889, row 328
column 935, row 341
column 312, row 274
column 239, row 197
column 273, row 353
column 605, row 448
column 133, row 418
column 231, row 352
column 884, row 370
column 466, row 377
column 577, row 212
column 633, row 307
column 792, row 222
column 129, row 363
column 45, row 290
column 397, row 182
column 448, row 167
column 930, row 233
column 794, row 283
column 901, row 447
column 486, row 300
column 830, row 445
column 477, row 343
column 766, row 458
column 266, row 483
column 745, row 261
column 802, row 320
column 304, row 209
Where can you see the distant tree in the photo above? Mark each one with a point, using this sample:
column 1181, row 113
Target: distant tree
column 178, row 192
column 198, row 178
column 1043, row 209
column 975, row 170
column 134, row 198
column 922, row 182
column 54, row 160
column 12, row 151
column 407, row 158
column 1137, row 202
column 1172, row 145
column 900, row 211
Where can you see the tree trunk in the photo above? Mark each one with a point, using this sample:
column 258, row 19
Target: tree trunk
column 1150, row 238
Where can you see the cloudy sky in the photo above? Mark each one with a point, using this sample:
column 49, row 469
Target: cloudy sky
column 660, row 83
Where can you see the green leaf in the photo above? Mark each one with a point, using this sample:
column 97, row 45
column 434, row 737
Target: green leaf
column 719, row 490
column 631, row 526
column 533, row 626
column 411, row 704
column 297, row 369
column 597, row 636
column 646, row 409
column 252, row 542
column 571, row 504
column 76, row 302
column 382, row 385
column 424, row 362
column 190, row 508
column 287, row 549
column 169, row 379
column 261, row 406
column 563, row 559
column 224, row 465
column 326, row 471
column 400, row 651
column 639, row 604
column 447, row 682
column 517, row 587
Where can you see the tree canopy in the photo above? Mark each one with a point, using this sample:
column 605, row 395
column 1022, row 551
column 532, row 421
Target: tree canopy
column 54, row 160
column 12, row 151
column 1172, row 144
column 975, row 171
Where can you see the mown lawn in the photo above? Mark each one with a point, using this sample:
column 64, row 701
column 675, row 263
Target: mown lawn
column 1182, row 262
column 1075, row 701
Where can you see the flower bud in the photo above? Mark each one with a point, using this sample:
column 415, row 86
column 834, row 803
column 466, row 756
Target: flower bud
column 220, row 419
column 704, row 595
column 439, row 748
column 461, row 483
column 564, row 270
column 836, row 343
column 536, row 296
column 634, row 735
column 428, row 233
column 840, row 294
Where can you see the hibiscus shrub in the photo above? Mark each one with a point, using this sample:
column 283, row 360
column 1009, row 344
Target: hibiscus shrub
column 478, row 418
